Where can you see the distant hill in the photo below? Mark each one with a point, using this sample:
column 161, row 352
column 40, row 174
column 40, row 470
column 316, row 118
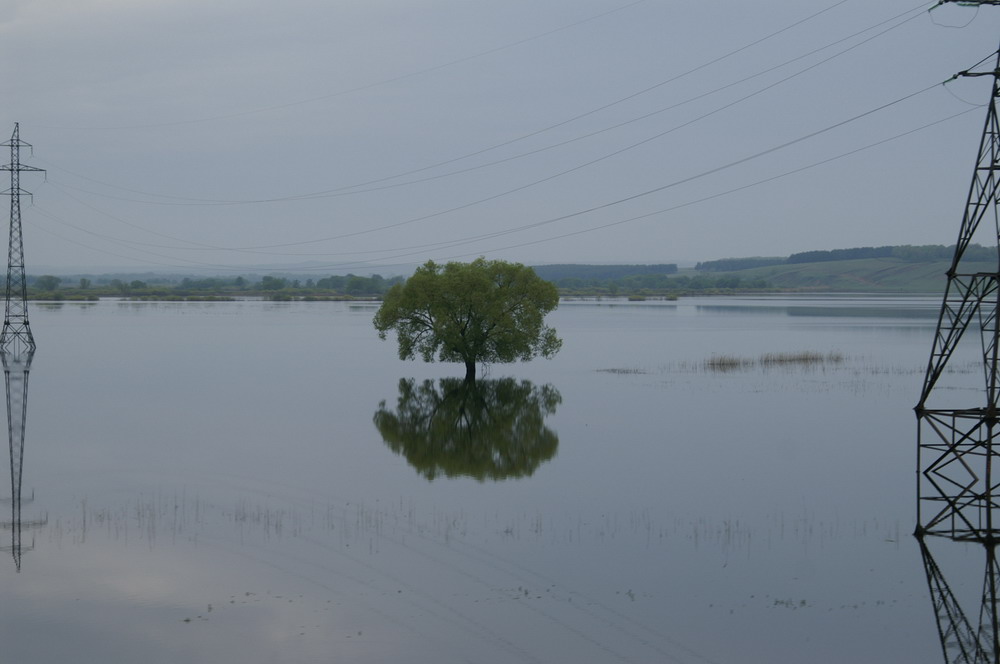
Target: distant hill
column 909, row 253
column 889, row 269
column 557, row 273
column 870, row 275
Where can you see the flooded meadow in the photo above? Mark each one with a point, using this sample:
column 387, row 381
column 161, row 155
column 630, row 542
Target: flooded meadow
column 707, row 480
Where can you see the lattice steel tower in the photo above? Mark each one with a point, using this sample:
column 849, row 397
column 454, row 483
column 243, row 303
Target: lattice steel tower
column 958, row 415
column 16, row 369
column 16, row 336
column 957, row 488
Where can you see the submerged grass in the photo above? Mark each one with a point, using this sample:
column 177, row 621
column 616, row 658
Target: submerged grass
column 727, row 363
column 803, row 358
column 623, row 370
column 724, row 363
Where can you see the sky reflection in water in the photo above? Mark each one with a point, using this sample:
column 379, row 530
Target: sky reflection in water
column 215, row 489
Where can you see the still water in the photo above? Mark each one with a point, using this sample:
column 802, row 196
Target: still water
column 267, row 482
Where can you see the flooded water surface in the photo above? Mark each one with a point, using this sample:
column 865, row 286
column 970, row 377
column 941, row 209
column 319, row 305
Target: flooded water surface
column 717, row 481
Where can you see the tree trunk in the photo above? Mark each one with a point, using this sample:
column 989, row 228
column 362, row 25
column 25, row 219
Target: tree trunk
column 470, row 371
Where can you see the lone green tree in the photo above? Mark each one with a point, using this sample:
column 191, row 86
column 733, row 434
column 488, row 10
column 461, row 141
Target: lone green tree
column 483, row 311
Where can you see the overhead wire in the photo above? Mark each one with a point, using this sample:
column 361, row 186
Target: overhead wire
column 369, row 86
column 522, row 137
column 718, row 194
column 204, row 246
column 417, row 249
column 455, row 243
column 619, row 222
column 258, row 248
column 357, row 189
column 578, row 213
column 144, row 261
column 447, row 244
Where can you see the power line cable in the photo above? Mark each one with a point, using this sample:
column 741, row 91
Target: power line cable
column 357, row 188
column 524, row 136
column 62, row 188
column 145, row 261
column 368, row 86
column 735, row 189
column 661, row 211
column 708, row 172
column 256, row 249
column 598, row 159
column 418, row 249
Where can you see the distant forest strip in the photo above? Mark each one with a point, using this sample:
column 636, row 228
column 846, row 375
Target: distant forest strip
column 167, row 288
column 579, row 280
column 652, row 280
column 600, row 272
column 908, row 253
column 889, row 269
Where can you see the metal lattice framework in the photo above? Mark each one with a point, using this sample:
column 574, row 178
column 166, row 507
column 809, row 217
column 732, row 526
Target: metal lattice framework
column 962, row 641
column 15, row 369
column 959, row 496
column 969, row 3
column 16, row 335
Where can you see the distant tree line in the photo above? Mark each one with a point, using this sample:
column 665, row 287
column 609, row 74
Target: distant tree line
column 48, row 286
column 572, row 279
column 650, row 284
column 598, row 273
column 908, row 253
column 735, row 264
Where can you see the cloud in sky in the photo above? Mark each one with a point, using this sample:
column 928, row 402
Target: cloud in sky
column 384, row 133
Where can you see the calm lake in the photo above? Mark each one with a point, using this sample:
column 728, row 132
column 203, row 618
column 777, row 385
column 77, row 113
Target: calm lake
column 266, row 482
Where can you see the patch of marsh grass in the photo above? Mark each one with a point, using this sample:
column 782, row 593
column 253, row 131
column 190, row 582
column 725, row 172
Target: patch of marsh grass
column 723, row 363
column 623, row 370
column 727, row 363
column 803, row 358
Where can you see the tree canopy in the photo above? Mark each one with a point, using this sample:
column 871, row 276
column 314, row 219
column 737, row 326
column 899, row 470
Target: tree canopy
column 483, row 311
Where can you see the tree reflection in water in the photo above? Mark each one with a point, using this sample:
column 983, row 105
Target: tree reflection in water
column 487, row 429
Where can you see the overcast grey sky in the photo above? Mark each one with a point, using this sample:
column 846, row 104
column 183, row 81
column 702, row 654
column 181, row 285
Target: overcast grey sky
column 350, row 133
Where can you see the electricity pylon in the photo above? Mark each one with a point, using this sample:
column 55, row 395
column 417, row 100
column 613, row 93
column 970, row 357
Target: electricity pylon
column 958, row 446
column 16, row 335
column 958, row 443
column 15, row 369
column 962, row 640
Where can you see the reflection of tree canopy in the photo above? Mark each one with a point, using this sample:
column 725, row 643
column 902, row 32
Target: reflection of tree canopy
column 487, row 429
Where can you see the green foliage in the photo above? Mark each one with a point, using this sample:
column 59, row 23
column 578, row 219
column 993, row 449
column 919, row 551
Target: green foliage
column 47, row 282
column 150, row 286
column 596, row 273
column 213, row 284
column 732, row 264
column 333, row 283
column 840, row 254
column 356, row 285
column 483, row 311
column 909, row 253
column 272, row 283
column 488, row 429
